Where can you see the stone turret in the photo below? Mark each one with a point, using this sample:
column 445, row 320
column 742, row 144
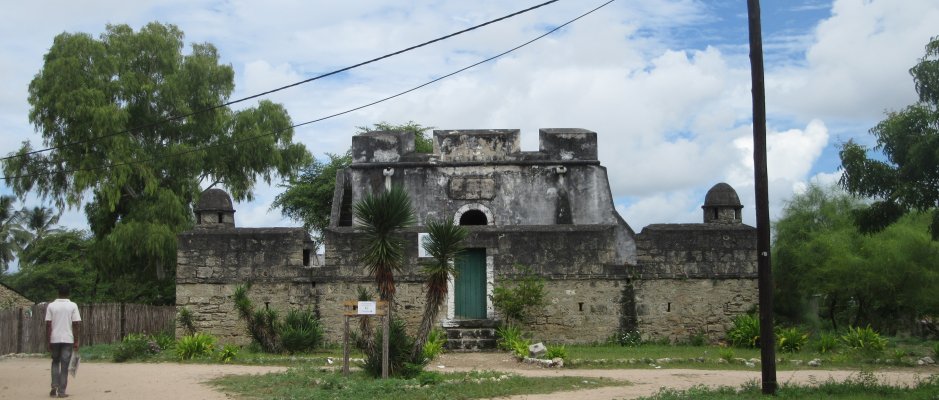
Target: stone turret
column 721, row 205
column 214, row 210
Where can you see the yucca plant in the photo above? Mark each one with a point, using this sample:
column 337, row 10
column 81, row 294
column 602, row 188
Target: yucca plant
column 444, row 246
column 380, row 217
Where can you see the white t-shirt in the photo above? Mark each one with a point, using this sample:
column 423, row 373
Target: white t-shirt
column 62, row 312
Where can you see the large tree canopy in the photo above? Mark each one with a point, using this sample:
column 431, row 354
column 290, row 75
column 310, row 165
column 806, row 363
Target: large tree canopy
column 886, row 279
column 908, row 179
column 102, row 105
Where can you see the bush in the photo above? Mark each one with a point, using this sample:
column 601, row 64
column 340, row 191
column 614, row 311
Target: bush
column 520, row 347
column 399, row 353
column 727, row 354
column 790, row 339
column 935, row 350
column 135, row 346
column 185, row 320
column 434, row 345
column 864, row 340
column 628, row 338
column 558, row 351
column 826, row 343
column 300, row 332
column 745, row 332
column 508, row 335
column 515, row 299
column 164, row 340
column 195, row 345
column 227, row 353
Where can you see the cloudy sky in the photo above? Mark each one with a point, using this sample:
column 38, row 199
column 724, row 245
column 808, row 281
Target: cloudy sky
column 664, row 83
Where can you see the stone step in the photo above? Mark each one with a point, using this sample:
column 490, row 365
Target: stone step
column 470, row 345
column 468, row 339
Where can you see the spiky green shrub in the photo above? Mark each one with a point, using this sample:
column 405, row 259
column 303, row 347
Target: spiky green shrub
column 508, row 334
column 399, row 353
column 935, row 350
column 301, row 331
column 436, row 341
column 745, row 332
column 196, row 345
column 556, row 351
column 826, row 343
column 227, row 353
column 791, row 340
column 864, row 340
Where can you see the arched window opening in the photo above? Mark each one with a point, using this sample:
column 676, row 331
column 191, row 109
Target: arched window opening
column 473, row 217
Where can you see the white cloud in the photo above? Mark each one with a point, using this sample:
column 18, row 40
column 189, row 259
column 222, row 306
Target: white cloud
column 857, row 65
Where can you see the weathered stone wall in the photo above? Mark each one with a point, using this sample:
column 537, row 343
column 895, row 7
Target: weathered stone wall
column 677, row 309
column 579, row 311
column 212, row 263
column 696, row 251
column 10, row 298
column 693, row 278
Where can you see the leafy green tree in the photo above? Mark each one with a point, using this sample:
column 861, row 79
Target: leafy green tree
column 908, row 178
column 444, row 246
column 52, row 260
column 886, row 279
column 309, row 197
column 105, row 106
column 381, row 217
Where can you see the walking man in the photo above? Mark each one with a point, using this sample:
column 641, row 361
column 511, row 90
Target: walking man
column 63, row 328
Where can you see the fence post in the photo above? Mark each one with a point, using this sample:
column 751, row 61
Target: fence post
column 123, row 322
column 19, row 331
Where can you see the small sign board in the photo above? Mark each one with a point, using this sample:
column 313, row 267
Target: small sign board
column 421, row 239
column 366, row 308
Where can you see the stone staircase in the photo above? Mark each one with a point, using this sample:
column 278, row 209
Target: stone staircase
column 471, row 335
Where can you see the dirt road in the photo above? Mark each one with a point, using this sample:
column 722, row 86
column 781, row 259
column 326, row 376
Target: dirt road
column 28, row 378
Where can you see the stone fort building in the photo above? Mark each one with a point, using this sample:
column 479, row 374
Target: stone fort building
column 551, row 210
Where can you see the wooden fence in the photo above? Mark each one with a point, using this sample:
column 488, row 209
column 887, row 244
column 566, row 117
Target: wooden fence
column 23, row 330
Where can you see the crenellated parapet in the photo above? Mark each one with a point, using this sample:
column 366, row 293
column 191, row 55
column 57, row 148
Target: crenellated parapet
column 476, row 146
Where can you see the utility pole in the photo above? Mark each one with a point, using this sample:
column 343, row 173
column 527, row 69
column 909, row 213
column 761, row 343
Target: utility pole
column 764, row 268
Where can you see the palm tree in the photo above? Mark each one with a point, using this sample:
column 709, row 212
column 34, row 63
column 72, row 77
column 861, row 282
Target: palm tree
column 445, row 244
column 40, row 221
column 380, row 216
column 12, row 235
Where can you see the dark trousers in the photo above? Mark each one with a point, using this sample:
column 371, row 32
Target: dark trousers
column 61, row 356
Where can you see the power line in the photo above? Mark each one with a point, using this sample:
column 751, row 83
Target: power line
column 318, row 77
column 250, row 138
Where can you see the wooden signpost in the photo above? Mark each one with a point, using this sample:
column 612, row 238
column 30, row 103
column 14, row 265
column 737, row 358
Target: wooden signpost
column 366, row 309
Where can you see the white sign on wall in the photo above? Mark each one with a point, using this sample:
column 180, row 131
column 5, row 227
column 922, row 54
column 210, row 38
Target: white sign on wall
column 366, row 308
column 421, row 239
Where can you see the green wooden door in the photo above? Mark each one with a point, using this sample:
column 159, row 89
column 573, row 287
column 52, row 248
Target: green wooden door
column 471, row 285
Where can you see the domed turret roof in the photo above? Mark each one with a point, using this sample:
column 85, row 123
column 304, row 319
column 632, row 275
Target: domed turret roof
column 214, row 200
column 722, row 195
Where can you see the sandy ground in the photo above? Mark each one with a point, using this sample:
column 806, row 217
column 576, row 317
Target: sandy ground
column 28, row 378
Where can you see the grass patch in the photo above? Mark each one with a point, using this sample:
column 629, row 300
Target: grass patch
column 321, row 383
column 245, row 356
column 902, row 354
column 863, row 386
